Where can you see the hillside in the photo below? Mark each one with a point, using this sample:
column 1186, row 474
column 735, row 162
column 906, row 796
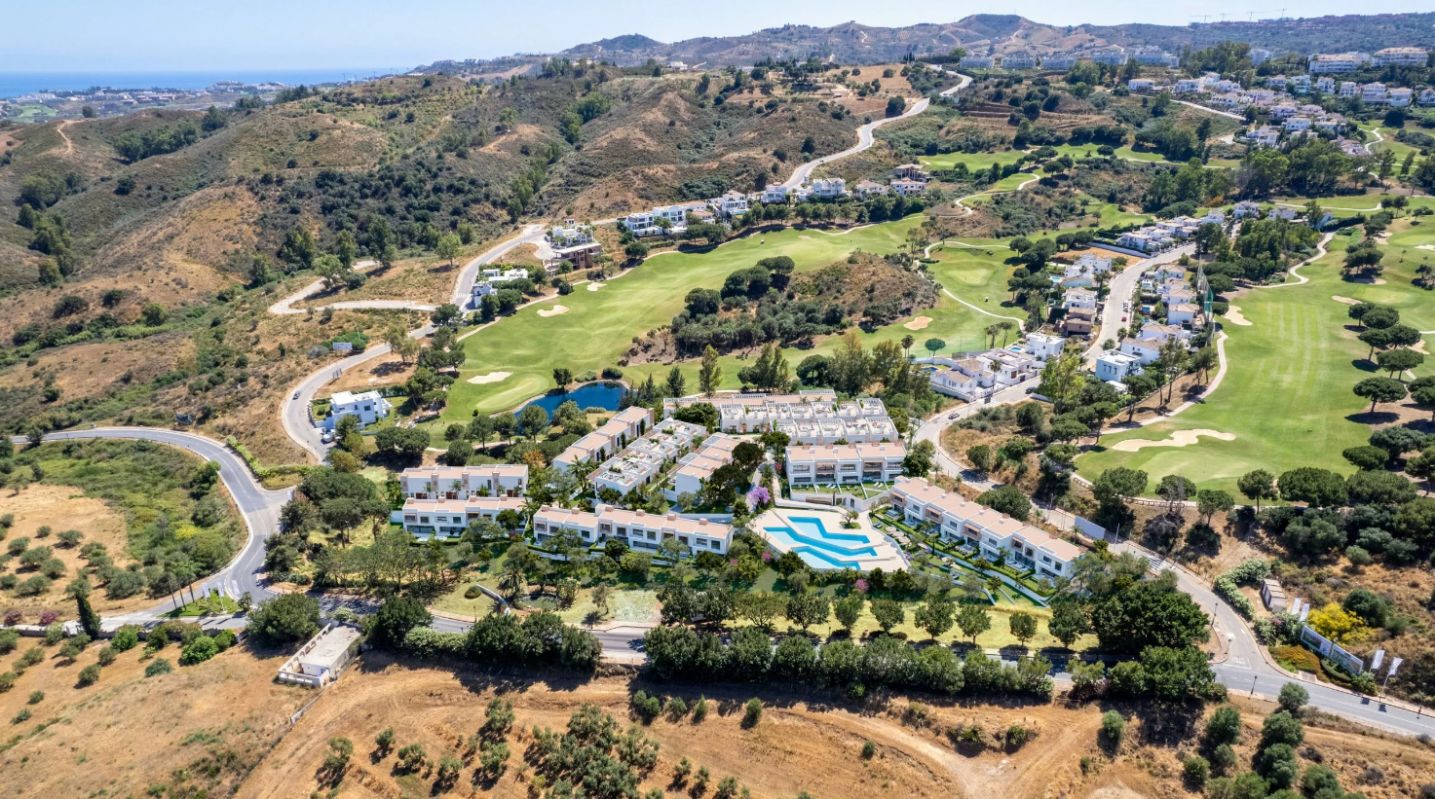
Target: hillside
column 853, row 42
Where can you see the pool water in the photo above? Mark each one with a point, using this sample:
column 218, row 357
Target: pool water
column 809, row 537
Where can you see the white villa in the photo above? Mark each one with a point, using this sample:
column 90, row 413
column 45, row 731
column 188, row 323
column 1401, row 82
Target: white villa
column 602, row 443
column 637, row 529
column 645, row 459
column 1115, row 367
column 463, row 482
column 775, row 194
column 827, row 189
column 368, row 406
column 978, row 376
column 908, row 187
column 730, row 206
column 996, row 536
column 1145, row 351
column 844, row 464
column 1079, row 298
column 664, row 218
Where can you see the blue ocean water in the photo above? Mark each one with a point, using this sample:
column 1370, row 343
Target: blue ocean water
column 13, row 84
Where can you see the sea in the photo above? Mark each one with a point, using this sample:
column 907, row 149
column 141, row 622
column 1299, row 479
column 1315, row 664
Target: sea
column 14, row 84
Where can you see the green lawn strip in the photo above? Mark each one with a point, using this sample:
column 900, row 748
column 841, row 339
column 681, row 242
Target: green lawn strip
column 1286, row 395
column 213, row 605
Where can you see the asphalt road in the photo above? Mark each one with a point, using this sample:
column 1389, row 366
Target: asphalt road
column 865, row 138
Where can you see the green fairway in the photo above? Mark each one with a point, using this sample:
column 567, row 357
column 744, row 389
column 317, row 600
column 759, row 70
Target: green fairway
column 980, row 161
column 600, row 325
column 1286, row 396
column 972, row 270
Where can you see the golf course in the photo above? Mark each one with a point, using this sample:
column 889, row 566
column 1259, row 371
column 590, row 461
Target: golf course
column 1286, row 397
column 592, row 327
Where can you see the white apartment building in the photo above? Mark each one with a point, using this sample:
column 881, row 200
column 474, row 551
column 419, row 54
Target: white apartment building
column 1112, row 57
column 463, row 482
column 978, row 61
column 1401, row 57
column 1019, row 60
column 1336, row 63
column 996, row 536
column 448, row 518
column 697, row 466
column 1154, row 56
column 644, row 460
column 1059, row 61
column 1325, row 85
column 844, row 464
column 639, row 530
column 614, row 434
column 368, row 406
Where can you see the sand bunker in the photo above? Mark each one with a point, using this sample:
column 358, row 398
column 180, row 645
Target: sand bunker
column 919, row 323
column 596, row 286
column 1180, row 438
column 491, row 377
column 1425, row 246
column 554, row 311
column 1234, row 316
column 1344, row 300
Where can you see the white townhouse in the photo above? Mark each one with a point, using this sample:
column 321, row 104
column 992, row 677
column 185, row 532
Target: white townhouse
column 1399, row 97
column 844, row 464
column 1296, row 124
column 1059, row 61
column 1019, row 60
column 1374, row 93
column 977, row 61
column 448, row 518
column 1349, row 88
column 1189, row 86
column 696, row 467
column 569, row 234
column 1159, row 333
column 869, row 188
column 614, row 434
column 1115, row 367
column 645, row 459
column 996, row 536
column 368, row 406
column 1111, row 57
column 638, row 529
column 1325, row 85
column 1182, row 313
column 464, row 482
column 1259, row 55
column 1142, row 85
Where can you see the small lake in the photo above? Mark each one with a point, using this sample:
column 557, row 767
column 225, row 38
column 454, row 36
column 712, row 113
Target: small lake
column 605, row 395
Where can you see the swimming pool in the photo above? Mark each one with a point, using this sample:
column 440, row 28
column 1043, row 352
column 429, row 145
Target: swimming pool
column 820, row 547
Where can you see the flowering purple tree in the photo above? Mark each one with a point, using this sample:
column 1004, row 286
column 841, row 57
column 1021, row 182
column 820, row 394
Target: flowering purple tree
column 759, row 497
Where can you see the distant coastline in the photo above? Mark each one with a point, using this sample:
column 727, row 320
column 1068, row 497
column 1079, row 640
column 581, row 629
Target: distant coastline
column 15, row 84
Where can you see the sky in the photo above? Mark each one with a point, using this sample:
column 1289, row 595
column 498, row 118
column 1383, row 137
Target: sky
column 175, row 35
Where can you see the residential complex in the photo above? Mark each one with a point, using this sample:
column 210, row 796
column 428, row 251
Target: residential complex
column 603, row 443
column 462, row 482
column 638, row 529
column 807, row 417
column 995, row 535
column 646, row 458
column 844, row 464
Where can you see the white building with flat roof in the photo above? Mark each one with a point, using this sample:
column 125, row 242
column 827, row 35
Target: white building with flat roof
column 614, row 434
column 639, row 530
column 320, row 660
column 697, row 466
column 1115, row 367
column 808, row 417
column 448, row 518
column 462, row 482
column 645, row 459
column 1401, row 57
column 995, row 535
column 844, row 464
column 1337, row 63
column 368, row 406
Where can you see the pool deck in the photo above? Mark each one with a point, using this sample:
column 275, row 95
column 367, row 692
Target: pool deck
column 878, row 552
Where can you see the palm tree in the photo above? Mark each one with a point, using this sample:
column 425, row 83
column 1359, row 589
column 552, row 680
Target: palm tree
column 991, row 331
column 1006, row 327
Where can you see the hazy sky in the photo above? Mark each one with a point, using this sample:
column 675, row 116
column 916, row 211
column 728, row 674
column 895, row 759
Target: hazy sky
column 97, row 35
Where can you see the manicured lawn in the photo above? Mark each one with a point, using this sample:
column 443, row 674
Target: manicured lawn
column 979, row 161
column 1286, row 396
column 600, row 325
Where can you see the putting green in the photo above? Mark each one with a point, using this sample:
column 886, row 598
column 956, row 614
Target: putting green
column 1286, row 395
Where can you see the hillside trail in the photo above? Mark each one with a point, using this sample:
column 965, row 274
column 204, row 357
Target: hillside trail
column 69, row 143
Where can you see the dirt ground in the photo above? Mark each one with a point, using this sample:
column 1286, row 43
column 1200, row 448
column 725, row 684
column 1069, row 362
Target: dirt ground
column 64, row 508
column 797, row 746
column 127, row 733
